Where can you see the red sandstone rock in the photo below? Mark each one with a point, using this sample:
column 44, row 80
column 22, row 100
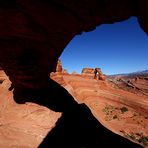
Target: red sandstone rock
column 99, row 75
column 31, row 122
column 105, row 102
column 93, row 73
column 36, row 32
column 43, row 37
column 87, row 71
column 22, row 125
column 65, row 71
column 59, row 66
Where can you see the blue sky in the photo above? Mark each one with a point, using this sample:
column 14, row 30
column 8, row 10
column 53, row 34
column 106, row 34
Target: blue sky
column 115, row 48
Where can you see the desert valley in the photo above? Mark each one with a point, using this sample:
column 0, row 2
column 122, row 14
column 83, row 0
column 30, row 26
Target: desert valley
column 120, row 103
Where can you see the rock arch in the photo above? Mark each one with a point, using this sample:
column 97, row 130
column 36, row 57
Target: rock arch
column 38, row 31
column 98, row 74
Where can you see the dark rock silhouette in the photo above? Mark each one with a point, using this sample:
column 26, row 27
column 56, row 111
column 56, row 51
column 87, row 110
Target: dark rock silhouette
column 33, row 35
column 78, row 128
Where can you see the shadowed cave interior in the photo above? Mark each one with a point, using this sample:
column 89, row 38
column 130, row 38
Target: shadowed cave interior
column 37, row 38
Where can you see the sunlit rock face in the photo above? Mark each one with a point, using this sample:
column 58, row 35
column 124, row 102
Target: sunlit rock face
column 99, row 74
column 88, row 72
column 93, row 73
column 23, row 125
column 38, row 31
column 65, row 71
column 59, row 66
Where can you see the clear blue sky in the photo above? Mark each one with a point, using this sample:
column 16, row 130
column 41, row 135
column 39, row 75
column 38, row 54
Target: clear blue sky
column 115, row 48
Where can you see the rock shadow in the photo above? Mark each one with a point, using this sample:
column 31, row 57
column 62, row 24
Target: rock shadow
column 77, row 127
column 80, row 129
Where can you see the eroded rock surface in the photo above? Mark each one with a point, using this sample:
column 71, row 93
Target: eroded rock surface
column 99, row 74
column 93, row 73
column 119, row 110
column 88, row 72
column 59, row 68
column 34, row 33
column 38, row 31
column 28, row 124
column 23, row 125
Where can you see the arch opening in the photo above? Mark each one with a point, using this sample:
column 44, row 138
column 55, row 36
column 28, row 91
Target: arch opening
column 115, row 48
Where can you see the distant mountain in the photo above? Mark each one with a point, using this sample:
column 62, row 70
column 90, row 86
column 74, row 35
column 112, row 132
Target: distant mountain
column 137, row 73
column 140, row 72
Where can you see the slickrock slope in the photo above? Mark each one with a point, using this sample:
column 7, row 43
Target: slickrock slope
column 123, row 112
column 135, row 84
column 26, row 125
column 22, row 126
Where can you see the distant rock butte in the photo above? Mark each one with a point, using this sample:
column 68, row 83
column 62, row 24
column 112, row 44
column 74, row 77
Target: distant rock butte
column 93, row 73
column 99, row 74
column 65, row 71
column 59, row 66
column 33, row 122
column 59, row 69
column 88, row 71
column 105, row 102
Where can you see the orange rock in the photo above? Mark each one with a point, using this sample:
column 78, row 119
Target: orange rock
column 59, row 66
column 99, row 74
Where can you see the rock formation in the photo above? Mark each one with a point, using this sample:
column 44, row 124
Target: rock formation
column 34, row 33
column 59, row 68
column 40, row 31
column 96, row 94
column 74, row 72
column 65, row 71
column 93, row 73
column 88, row 72
column 99, row 75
